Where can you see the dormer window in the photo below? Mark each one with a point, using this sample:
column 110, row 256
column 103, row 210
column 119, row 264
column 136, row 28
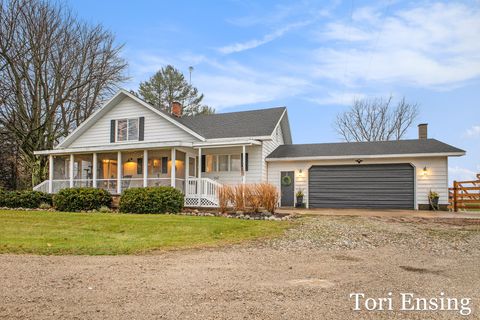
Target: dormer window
column 127, row 130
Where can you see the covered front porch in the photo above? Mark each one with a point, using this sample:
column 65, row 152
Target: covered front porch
column 118, row 170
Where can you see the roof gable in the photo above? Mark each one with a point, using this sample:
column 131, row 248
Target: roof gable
column 111, row 104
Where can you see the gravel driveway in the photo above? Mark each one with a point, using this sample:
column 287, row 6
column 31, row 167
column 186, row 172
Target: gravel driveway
column 307, row 274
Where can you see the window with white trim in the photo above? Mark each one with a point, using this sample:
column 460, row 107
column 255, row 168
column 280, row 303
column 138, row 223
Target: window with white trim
column 222, row 162
column 235, row 162
column 127, row 130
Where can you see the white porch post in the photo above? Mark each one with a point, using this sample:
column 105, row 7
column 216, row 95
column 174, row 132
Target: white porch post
column 71, row 169
column 173, row 168
column 94, row 169
column 50, row 173
column 199, row 185
column 145, row 168
column 119, row 172
column 187, row 171
column 244, row 171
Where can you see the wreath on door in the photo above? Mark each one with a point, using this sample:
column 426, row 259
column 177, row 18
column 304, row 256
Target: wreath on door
column 286, row 180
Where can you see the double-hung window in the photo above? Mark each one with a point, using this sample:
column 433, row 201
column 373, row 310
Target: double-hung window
column 223, row 162
column 127, row 129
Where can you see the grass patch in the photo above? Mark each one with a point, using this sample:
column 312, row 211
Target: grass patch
column 57, row 233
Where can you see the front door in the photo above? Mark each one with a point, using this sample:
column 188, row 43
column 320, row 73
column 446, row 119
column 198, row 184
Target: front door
column 287, row 184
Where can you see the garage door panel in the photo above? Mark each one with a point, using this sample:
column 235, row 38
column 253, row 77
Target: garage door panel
column 362, row 186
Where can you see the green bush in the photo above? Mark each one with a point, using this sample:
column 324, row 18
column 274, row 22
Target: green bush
column 79, row 199
column 24, row 199
column 151, row 200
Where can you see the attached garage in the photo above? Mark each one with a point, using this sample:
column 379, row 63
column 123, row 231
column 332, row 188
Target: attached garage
column 386, row 186
column 382, row 174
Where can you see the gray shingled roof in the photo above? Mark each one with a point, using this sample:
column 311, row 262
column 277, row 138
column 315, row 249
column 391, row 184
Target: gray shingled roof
column 362, row 148
column 252, row 123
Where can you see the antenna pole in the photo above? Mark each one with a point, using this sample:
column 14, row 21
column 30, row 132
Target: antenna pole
column 190, row 70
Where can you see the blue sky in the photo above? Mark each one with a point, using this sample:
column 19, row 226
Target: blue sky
column 314, row 58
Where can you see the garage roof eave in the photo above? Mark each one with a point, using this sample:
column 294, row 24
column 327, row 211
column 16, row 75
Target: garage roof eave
column 370, row 156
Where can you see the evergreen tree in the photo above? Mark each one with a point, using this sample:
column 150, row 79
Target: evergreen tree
column 169, row 85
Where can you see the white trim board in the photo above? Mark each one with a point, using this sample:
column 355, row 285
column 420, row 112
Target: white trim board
column 406, row 155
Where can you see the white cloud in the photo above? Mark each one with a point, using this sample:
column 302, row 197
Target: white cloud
column 434, row 45
column 251, row 44
column 473, row 132
column 337, row 98
column 226, row 90
column 461, row 174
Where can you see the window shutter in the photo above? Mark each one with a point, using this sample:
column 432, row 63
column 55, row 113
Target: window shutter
column 164, row 165
column 246, row 160
column 204, row 158
column 141, row 128
column 112, row 130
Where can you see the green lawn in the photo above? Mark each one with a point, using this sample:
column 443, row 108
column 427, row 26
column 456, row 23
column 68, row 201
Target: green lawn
column 43, row 232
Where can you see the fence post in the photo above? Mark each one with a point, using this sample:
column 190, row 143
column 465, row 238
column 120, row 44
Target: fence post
column 455, row 204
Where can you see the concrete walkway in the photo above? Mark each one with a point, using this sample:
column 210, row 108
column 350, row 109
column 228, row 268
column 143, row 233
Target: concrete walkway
column 382, row 213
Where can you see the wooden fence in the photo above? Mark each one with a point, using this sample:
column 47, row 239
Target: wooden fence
column 465, row 195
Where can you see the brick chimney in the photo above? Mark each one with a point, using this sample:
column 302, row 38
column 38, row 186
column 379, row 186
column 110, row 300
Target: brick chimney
column 177, row 109
column 423, row 131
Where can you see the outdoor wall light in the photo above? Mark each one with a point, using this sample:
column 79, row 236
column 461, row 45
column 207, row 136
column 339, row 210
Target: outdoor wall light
column 424, row 171
column 300, row 172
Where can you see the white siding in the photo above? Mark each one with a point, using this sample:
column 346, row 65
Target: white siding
column 268, row 147
column 254, row 173
column 435, row 180
column 157, row 129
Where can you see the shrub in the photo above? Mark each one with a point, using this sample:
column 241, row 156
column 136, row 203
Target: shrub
column 104, row 209
column 151, row 200
column 78, row 199
column 44, row 206
column 24, row 199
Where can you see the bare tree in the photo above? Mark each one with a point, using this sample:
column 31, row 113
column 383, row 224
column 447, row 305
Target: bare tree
column 376, row 120
column 54, row 72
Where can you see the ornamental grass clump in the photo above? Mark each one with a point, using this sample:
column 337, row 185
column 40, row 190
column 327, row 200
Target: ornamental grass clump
column 253, row 197
column 248, row 197
column 239, row 197
column 225, row 197
column 269, row 196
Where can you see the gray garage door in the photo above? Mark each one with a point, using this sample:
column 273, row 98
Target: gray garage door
column 362, row 186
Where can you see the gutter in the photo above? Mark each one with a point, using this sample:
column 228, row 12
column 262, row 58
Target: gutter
column 376, row 156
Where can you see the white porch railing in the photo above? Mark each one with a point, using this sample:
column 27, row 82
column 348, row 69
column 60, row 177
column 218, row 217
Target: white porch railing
column 202, row 192
column 198, row 192
column 158, row 182
column 42, row 187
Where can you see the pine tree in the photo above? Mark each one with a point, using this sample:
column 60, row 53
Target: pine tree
column 169, row 85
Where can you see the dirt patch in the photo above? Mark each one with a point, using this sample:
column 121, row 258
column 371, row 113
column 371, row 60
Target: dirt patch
column 421, row 270
column 307, row 274
column 345, row 257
